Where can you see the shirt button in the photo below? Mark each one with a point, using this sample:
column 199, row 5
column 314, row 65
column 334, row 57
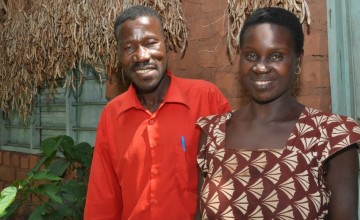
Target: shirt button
column 155, row 201
column 155, row 171
column 151, row 121
column 153, row 145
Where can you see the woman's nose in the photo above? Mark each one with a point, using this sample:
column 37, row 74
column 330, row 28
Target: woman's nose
column 261, row 67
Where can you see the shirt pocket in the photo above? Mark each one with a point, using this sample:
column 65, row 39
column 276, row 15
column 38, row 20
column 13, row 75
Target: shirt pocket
column 185, row 165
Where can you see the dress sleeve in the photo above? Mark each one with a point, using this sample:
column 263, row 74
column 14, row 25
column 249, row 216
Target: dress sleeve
column 342, row 132
column 104, row 197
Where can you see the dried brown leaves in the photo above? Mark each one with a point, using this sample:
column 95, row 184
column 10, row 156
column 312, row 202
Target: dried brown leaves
column 42, row 41
column 238, row 10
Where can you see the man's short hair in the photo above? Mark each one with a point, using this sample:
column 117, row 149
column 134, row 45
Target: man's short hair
column 134, row 12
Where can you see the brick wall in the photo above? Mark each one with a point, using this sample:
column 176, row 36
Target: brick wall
column 206, row 56
column 15, row 166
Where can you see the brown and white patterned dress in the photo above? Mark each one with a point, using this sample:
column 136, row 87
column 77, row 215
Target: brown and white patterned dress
column 284, row 183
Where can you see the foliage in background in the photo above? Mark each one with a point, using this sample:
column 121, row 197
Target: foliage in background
column 45, row 40
column 59, row 196
column 239, row 10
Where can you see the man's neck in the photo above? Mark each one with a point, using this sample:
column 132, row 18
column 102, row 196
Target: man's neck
column 152, row 100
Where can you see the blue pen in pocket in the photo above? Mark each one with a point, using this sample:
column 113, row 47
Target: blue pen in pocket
column 183, row 144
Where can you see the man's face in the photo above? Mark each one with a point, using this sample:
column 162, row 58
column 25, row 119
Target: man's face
column 142, row 52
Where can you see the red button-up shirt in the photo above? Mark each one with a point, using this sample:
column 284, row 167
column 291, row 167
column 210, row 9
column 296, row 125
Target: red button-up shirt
column 144, row 164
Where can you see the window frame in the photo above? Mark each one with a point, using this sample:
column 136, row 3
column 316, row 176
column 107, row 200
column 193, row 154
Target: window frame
column 344, row 51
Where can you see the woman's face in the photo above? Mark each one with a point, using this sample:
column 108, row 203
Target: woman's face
column 268, row 62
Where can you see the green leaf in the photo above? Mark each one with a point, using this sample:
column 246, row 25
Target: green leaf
column 69, row 152
column 20, row 183
column 51, row 190
column 76, row 188
column 37, row 166
column 38, row 213
column 69, row 198
column 84, row 153
column 45, row 175
column 59, row 214
column 67, row 141
column 7, row 196
column 49, row 146
column 58, row 167
column 11, row 210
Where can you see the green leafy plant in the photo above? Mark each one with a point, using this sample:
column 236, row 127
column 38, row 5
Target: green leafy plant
column 58, row 182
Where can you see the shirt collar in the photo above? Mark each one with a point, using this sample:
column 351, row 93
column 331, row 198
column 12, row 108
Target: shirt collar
column 173, row 95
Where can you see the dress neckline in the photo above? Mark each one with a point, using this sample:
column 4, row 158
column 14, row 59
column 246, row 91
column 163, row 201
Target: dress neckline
column 289, row 141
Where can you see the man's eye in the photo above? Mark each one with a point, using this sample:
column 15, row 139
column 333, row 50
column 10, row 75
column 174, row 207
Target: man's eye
column 128, row 48
column 151, row 43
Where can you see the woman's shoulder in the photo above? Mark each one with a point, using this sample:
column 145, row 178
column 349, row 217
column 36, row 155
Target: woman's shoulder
column 323, row 118
column 215, row 119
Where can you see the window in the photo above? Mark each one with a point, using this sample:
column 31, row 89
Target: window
column 71, row 112
column 344, row 52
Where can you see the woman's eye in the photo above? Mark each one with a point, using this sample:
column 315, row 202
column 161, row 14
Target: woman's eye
column 276, row 57
column 251, row 56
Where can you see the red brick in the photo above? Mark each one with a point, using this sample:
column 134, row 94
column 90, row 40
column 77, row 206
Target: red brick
column 206, row 58
column 2, row 185
column 21, row 173
column 311, row 73
column 229, row 84
column 24, row 161
column 211, row 6
column 6, row 158
column 318, row 15
column 317, row 101
column 1, row 160
column 325, row 77
column 33, row 160
column 15, row 159
column 7, row 173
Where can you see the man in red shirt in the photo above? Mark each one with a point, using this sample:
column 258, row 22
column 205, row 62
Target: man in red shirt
column 144, row 164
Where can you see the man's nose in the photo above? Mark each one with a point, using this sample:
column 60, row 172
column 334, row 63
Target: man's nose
column 141, row 54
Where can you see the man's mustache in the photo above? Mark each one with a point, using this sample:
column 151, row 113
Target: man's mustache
column 143, row 65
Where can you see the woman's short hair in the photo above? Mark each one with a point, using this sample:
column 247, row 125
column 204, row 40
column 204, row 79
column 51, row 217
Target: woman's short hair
column 278, row 16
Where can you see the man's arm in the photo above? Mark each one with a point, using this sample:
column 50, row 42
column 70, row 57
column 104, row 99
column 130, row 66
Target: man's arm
column 104, row 197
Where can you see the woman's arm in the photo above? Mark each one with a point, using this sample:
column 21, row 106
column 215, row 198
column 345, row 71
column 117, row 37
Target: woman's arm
column 202, row 141
column 342, row 180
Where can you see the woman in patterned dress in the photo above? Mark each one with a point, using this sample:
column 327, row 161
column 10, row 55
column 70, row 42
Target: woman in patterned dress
column 276, row 158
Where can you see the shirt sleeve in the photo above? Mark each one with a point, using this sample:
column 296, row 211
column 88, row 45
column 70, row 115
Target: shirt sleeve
column 104, row 197
column 222, row 103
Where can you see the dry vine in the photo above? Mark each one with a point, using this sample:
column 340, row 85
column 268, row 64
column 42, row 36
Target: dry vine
column 45, row 40
column 238, row 10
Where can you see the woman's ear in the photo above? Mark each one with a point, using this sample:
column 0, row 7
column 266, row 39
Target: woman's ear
column 300, row 58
